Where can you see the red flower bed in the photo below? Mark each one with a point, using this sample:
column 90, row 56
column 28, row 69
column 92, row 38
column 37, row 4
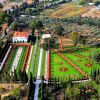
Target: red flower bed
column 88, row 65
column 63, row 69
column 60, row 63
column 79, row 60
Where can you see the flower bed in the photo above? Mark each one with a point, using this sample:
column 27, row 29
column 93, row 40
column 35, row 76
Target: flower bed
column 63, row 69
column 60, row 68
column 11, row 59
column 88, row 65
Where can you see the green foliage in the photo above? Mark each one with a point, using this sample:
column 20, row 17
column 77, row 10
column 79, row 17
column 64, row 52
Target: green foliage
column 75, row 37
column 27, row 11
column 58, row 29
column 96, row 2
column 96, row 56
column 83, row 2
column 1, row 6
column 14, row 26
column 84, row 20
column 35, row 24
column 16, row 92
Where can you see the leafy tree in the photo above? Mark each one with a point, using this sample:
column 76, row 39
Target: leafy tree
column 69, row 92
column 27, row 11
column 75, row 36
column 1, row 6
column 96, row 2
column 39, row 25
column 32, row 25
column 14, row 26
column 83, row 2
column 2, row 15
column 47, row 44
column 96, row 56
column 58, row 29
column 8, row 20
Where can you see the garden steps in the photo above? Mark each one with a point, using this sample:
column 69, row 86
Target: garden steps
column 72, row 64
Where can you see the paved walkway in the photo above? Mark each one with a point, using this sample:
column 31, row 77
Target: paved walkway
column 38, row 81
column 39, row 64
column 36, row 89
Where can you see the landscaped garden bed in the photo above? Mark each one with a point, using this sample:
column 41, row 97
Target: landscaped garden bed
column 77, row 60
column 62, row 69
column 17, row 60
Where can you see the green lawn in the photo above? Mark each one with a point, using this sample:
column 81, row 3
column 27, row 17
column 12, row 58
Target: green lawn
column 84, row 62
column 35, row 66
column 31, row 61
column 85, row 53
column 56, row 67
column 10, row 62
column 43, row 63
column 20, row 63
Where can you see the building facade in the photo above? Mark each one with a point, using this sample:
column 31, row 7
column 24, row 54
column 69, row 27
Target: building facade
column 20, row 37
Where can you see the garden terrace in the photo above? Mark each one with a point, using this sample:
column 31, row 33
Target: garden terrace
column 62, row 69
column 36, row 61
column 74, row 61
column 20, row 60
column 43, row 66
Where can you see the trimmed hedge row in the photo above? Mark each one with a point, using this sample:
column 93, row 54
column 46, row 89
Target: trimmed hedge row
column 11, row 59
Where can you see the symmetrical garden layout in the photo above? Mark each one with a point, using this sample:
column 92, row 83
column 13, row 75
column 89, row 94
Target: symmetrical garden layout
column 74, row 63
column 16, row 60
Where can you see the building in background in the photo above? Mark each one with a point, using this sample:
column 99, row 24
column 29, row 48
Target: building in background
column 20, row 37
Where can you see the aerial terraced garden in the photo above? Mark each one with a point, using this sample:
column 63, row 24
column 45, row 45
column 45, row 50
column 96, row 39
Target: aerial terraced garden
column 80, row 57
column 21, row 60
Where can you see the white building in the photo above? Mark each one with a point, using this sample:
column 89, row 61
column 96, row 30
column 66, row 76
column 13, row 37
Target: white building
column 20, row 37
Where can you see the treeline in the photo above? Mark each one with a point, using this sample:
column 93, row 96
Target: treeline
column 4, row 17
column 96, row 75
column 84, row 20
column 71, row 27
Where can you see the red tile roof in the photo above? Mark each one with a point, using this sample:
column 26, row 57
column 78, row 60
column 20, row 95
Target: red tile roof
column 21, row 34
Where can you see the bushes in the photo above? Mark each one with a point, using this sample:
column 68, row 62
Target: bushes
column 10, row 62
column 96, row 56
column 72, row 26
column 84, row 20
column 20, row 63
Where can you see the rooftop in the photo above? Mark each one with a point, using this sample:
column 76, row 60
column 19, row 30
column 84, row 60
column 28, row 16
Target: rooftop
column 21, row 34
